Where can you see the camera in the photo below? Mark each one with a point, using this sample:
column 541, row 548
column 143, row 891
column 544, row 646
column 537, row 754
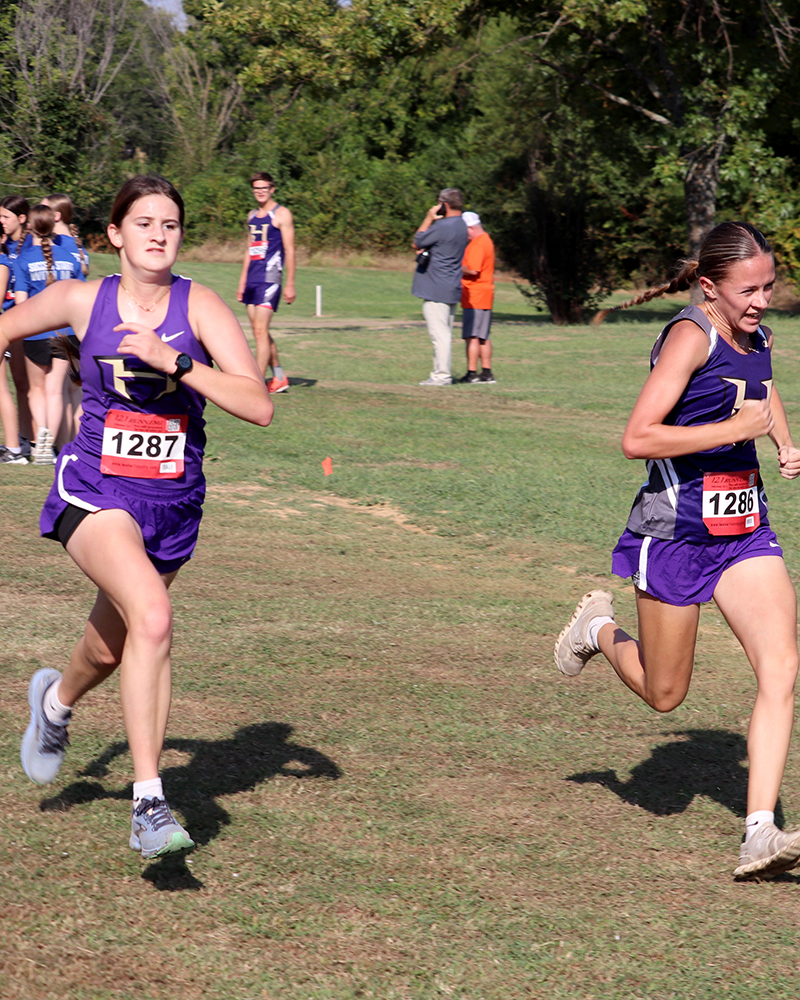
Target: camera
column 423, row 259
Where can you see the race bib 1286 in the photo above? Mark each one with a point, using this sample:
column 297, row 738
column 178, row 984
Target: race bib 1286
column 730, row 502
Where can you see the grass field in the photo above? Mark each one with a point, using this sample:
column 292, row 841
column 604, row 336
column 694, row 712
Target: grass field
column 394, row 792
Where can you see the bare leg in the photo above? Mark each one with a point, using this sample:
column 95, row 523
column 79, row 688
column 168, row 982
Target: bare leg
column 8, row 412
column 266, row 352
column 54, row 394
column 20, row 377
column 486, row 354
column 759, row 603
column 36, row 394
column 472, row 353
column 131, row 624
column 659, row 666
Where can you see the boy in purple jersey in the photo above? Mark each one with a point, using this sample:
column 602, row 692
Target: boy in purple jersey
column 270, row 250
column 128, row 492
column 698, row 529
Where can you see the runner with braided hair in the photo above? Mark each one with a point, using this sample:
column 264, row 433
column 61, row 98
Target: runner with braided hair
column 698, row 529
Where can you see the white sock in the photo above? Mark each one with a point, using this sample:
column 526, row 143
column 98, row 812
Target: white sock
column 55, row 710
column 594, row 628
column 755, row 820
column 150, row 789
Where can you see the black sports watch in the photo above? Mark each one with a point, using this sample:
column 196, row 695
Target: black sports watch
column 184, row 364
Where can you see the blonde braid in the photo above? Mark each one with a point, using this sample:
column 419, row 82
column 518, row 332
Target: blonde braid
column 73, row 229
column 685, row 277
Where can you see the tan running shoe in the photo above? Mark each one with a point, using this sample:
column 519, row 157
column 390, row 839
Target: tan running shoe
column 768, row 852
column 573, row 649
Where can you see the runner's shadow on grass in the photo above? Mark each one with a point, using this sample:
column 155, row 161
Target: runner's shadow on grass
column 253, row 755
column 700, row 762
column 297, row 382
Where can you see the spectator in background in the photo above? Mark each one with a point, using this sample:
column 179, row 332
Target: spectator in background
column 477, row 296
column 440, row 241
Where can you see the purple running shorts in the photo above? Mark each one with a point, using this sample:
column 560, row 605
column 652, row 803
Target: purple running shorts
column 683, row 572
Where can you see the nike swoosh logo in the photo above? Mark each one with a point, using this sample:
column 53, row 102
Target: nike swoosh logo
column 773, row 545
column 172, row 336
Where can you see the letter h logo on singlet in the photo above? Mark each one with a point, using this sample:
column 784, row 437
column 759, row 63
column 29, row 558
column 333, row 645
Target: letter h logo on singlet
column 740, row 385
column 118, row 379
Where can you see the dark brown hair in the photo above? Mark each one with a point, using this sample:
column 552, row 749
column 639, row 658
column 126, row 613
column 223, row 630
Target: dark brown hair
column 262, row 175
column 18, row 206
column 139, row 187
column 727, row 244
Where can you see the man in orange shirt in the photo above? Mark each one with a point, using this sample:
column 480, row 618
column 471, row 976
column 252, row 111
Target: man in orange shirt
column 477, row 295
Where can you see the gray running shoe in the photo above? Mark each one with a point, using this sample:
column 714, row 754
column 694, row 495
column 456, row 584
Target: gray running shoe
column 12, row 457
column 768, row 852
column 154, row 831
column 44, row 742
column 573, row 648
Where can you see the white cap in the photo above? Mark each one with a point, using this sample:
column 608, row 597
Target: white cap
column 471, row 218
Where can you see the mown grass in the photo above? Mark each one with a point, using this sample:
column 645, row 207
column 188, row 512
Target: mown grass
column 394, row 792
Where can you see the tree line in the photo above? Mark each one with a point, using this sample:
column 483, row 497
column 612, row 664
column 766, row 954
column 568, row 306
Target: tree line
column 598, row 139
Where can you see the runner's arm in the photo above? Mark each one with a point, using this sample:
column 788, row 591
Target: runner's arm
column 286, row 225
column 236, row 386
column 647, row 436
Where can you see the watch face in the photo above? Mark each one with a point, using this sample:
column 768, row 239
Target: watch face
column 184, row 361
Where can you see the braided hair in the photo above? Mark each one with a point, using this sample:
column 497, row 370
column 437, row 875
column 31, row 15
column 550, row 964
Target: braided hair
column 42, row 219
column 726, row 245
column 63, row 204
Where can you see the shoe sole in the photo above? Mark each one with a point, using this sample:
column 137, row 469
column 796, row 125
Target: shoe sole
column 777, row 864
column 283, row 388
column 565, row 631
column 178, row 842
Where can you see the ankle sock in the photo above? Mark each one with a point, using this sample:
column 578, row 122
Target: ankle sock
column 150, row 789
column 277, row 372
column 755, row 820
column 594, row 628
column 55, row 710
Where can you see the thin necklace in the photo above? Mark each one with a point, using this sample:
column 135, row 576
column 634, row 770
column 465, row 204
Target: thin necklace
column 136, row 302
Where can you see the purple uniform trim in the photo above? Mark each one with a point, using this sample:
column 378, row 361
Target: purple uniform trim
column 167, row 510
column 684, row 572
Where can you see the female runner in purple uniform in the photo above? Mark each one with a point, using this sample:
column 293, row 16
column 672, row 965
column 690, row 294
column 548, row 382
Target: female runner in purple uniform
column 698, row 528
column 126, row 501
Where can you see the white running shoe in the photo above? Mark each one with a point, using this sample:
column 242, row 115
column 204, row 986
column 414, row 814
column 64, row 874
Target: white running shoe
column 573, row 649
column 44, row 742
column 768, row 852
column 43, row 449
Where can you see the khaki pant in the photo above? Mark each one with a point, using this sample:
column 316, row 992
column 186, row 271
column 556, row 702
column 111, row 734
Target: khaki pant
column 439, row 316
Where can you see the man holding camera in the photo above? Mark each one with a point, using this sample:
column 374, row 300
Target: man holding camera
column 440, row 243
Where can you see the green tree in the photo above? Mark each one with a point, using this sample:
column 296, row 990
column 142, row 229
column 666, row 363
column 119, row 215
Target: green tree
column 703, row 74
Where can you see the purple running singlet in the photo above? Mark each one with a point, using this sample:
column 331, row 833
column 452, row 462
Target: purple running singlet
column 265, row 271
column 141, row 439
column 699, row 514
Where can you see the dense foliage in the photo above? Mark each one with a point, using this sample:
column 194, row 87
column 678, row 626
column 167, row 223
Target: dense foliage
column 596, row 138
